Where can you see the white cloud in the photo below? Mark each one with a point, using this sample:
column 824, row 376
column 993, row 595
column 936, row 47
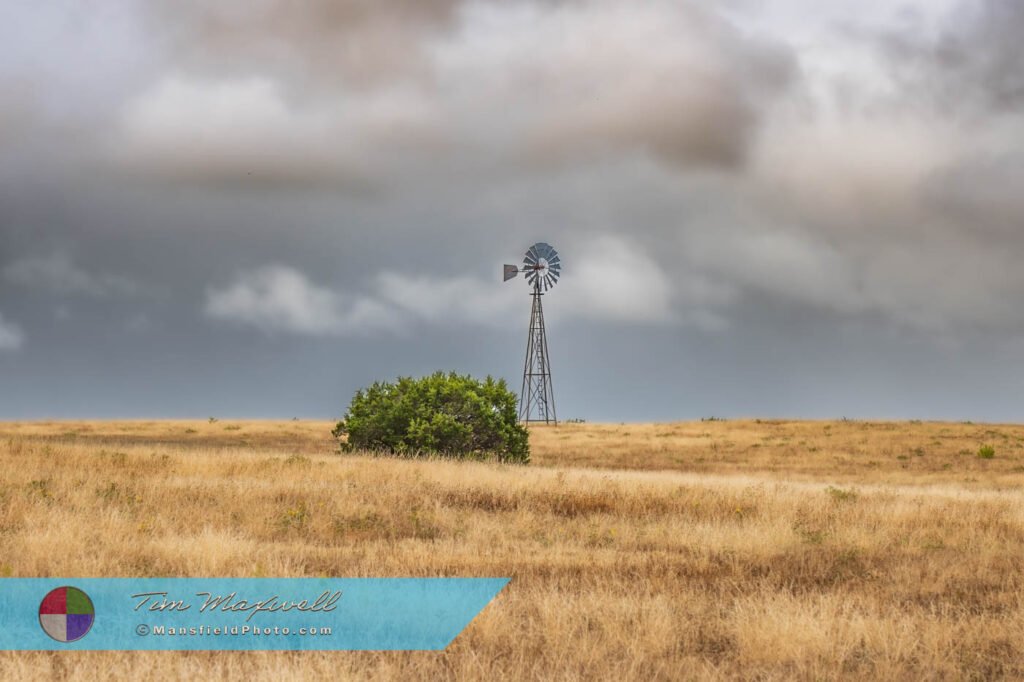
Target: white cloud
column 277, row 298
column 244, row 125
column 439, row 299
column 614, row 280
column 11, row 336
column 250, row 131
column 58, row 274
column 611, row 281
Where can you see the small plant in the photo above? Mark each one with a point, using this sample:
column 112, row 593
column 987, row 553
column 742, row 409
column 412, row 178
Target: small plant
column 295, row 517
column 212, row 420
column 118, row 459
column 366, row 525
column 986, row 452
column 115, row 494
column 809, row 534
column 423, row 527
column 41, row 488
column 840, row 495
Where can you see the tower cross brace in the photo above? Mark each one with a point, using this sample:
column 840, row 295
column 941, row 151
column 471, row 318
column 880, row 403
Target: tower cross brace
column 537, row 398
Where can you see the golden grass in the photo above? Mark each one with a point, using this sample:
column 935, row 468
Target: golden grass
column 706, row 550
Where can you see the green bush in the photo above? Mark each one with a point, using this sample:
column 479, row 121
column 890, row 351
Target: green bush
column 445, row 415
column 986, row 452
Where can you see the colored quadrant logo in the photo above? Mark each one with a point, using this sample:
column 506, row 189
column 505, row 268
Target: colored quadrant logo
column 66, row 614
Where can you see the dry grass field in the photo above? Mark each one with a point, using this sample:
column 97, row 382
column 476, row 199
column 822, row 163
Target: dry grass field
column 707, row 550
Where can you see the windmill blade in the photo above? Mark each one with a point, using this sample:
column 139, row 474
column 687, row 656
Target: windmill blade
column 541, row 267
column 510, row 272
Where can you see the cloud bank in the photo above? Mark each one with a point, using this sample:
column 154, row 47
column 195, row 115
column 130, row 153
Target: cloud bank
column 720, row 179
column 613, row 282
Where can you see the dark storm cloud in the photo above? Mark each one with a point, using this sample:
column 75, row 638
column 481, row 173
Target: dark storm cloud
column 975, row 60
column 983, row 193
column 750, row 219
column 363, row 96
column 315, row 44
column 589, row 80
column 886, row 189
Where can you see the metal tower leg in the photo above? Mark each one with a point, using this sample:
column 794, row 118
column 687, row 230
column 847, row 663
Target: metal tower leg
column 537, row 397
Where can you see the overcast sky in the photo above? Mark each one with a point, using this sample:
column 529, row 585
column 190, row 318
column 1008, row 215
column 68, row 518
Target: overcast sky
column 254, row 207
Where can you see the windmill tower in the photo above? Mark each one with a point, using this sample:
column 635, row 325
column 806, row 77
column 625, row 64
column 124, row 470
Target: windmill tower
column 541, row 268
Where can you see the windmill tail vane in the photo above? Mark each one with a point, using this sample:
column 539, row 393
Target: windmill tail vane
column 541, row 268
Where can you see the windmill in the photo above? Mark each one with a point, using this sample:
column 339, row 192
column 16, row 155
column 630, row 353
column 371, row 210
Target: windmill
column 541, row 268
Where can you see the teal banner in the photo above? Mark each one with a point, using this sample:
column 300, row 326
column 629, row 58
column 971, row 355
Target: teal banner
column 315, row 614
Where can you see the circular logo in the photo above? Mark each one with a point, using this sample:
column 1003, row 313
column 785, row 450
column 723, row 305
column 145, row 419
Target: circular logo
column 66, row 614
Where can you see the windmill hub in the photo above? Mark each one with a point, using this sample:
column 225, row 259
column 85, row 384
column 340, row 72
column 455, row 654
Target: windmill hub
column 541, row 268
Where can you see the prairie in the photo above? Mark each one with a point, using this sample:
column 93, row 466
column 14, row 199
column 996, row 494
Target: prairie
column 698, row 550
